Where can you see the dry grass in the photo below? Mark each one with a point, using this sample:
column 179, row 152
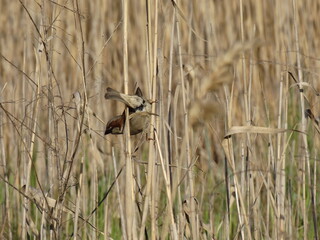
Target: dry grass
column 232, row 154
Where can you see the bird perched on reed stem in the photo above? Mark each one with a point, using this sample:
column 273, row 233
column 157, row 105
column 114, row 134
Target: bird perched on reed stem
column 139, row 112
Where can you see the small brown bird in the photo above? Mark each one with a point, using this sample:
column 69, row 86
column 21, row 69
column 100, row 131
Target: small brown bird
column 139, row 112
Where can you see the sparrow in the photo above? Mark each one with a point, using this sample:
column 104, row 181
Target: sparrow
column 139, row 112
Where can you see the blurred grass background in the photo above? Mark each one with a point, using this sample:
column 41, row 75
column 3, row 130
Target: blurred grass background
column 235, row 148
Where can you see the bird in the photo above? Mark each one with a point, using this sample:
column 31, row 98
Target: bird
column 139, row 112
column 135, row 103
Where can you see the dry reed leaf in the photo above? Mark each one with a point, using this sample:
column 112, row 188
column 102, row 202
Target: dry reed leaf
column 302, row 84
column 192, row 71
column 253, row 129
column 305, row 84
column 32, row 226
column 207, row 231
column 2, row 90
column 77, row 100
column 228, row 149
column 37, row 196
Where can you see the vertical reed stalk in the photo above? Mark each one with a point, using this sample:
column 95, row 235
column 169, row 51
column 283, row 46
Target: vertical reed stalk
column 193, row 219
column 305, row 157
column 129, row 186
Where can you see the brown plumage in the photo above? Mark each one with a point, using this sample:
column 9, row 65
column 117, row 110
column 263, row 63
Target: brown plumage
column 116, row 124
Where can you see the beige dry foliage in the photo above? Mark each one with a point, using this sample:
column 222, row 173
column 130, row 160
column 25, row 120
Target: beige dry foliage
column 45, row 203
column 202, row 108
column 253, row 129
column 234, row 126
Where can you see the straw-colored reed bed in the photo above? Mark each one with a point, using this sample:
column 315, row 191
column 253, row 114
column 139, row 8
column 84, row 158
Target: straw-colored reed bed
column 230, row 153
